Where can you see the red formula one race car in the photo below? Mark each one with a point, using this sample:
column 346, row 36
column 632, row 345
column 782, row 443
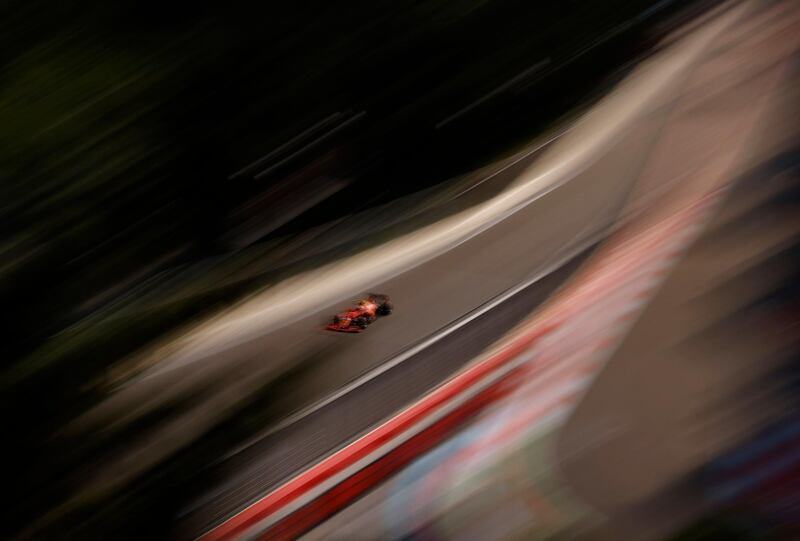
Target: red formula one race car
column 356, row 319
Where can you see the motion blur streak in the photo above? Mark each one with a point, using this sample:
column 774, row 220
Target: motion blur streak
column 454, row 269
